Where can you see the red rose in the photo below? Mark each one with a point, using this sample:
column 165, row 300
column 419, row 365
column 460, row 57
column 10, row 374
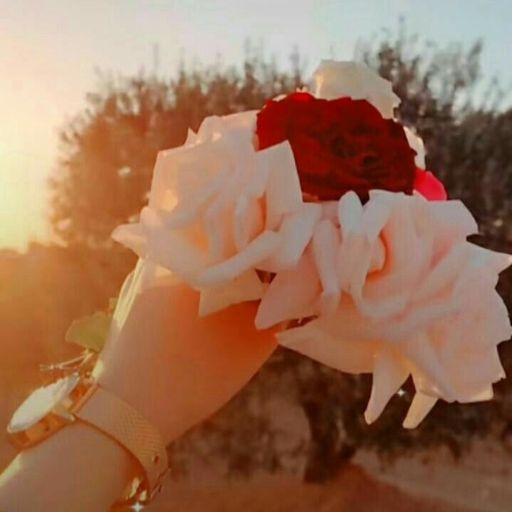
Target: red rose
column 339, row 145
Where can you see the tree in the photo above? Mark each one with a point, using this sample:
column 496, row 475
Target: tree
column 108, row 151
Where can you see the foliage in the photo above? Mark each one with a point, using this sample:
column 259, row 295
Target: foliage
column 90, row 332
column 42, row 291
column 108, row 151
column 104, row 175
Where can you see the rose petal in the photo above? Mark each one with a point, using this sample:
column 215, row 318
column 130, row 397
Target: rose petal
column 248, row 258
column 482, row 396
column 442, row 275
column 220, row 240
column 175, row 250
column 335, row 79
column 452, row 221
column 416, row 143
column 182, row 173
column 377, row 212
column 350, row 213
column 134, row 236
column 473, row 372
column 421, row 353
column 248, row 221
column 283, row 191
column 421, row 405
column 296, row 231
column 325, row 244
column 338, row 353
column 246, row 287
column 389, row 374
column 291, row 295
column 496, row 262
column 429, row 186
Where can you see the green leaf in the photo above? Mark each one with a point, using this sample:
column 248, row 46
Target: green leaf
column 91, row 331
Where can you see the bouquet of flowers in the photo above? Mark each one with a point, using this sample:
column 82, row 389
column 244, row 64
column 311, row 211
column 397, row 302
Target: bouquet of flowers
column 319, row 207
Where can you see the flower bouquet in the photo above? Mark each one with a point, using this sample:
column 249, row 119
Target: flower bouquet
column 319, row 207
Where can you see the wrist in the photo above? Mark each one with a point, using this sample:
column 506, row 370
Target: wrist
column 78, row 468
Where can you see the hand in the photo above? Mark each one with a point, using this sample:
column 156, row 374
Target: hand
column 175, row 368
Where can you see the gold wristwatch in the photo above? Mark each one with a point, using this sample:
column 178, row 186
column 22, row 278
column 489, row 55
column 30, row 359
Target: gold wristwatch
column 75, row 396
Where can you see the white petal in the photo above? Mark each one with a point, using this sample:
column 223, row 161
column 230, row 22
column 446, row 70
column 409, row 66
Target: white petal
column 283, row 192
column 181, row 174
column 326, row 241
column 407, row 260
column 190, row 207
column 257, row 181
column 330, row 211
column 295, row 232
column 416, row 143
column 421, row 353
column 291, row 295
column 348, row 324
column 132, row 236
column 259, row 249
column 377, row 212
column 191, row 137
column 236, row 129
column 243, row 288
column 334, row 79
column 472, row 372
column 444, row 273
column 248, row 221
column 354, row 260
column 452, row 220
column 378, row 259
column 495, row 261
column 350, row 213
column 340, row 354
column 171, row 249
column 482, row 396
column 421, row 405
column 219, row 227
column 389, row 373
column 423, row 384
column 155, row 276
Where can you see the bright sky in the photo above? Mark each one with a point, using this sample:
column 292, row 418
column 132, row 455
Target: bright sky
column 49, row 50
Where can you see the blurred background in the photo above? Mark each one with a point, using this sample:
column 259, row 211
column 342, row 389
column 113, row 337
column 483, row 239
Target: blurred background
column 90, row 91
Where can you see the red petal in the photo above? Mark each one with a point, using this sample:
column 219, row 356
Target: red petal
column 429, row 186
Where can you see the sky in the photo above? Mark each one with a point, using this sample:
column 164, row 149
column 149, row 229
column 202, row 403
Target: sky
column 51, row 50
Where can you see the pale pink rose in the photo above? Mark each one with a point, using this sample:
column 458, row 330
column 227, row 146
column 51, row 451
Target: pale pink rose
column 397, row 290
column 218, row 210
column 336, row 79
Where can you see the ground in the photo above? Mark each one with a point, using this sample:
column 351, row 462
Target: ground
column 353, row 491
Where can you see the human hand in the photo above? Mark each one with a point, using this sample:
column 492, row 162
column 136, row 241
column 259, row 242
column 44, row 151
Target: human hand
column 175, row 368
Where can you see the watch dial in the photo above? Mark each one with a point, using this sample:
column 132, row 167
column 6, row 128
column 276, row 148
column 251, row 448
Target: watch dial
column 41, row 402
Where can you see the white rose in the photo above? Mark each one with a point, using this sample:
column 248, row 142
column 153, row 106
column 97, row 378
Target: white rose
column 335, row 79
column 218, row 210
column 397, row 291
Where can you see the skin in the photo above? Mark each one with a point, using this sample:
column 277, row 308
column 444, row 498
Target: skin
column 175, row 368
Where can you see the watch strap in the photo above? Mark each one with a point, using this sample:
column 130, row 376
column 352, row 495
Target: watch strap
column 127, row 426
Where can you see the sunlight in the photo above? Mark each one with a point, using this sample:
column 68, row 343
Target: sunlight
column 22, row 201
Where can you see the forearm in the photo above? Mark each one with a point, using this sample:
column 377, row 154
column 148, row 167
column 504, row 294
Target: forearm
column 76, row 469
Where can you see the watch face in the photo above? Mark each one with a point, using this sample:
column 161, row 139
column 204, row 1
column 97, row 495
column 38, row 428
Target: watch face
column 41, row 402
